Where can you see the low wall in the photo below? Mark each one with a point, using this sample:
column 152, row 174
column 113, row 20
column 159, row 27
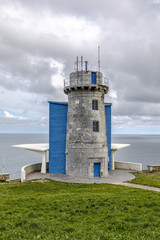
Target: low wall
column 151, row 168
column 5, row 177
column 30, row 169
column 128, row 166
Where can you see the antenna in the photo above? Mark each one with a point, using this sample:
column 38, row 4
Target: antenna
column 86, row 63
column 81, row 63
column 98, row 58
column 77, row 64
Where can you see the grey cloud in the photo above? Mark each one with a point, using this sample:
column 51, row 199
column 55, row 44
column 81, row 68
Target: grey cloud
column 22, row 74
column 130, row 52
column 18, row 124
column 126, row 108
column 110, row 9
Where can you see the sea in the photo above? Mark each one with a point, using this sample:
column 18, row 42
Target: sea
column 144, row 149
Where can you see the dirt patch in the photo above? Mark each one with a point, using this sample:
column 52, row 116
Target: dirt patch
column 146, row 172
column 2, row 183
column 154, row 172
column 19, row 181
column 42, row 180
column 11, row 182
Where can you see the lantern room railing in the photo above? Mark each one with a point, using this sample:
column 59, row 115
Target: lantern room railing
column 103, row 81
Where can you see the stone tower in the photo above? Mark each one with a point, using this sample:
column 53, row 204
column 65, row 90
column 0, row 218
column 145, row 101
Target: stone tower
column 86, row 141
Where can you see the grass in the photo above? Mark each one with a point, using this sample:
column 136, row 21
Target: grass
column 56, row 210
column 148, row 179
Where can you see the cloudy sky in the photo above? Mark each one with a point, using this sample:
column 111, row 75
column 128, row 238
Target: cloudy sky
column 39, row 42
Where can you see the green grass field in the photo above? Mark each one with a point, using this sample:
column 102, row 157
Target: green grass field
column 55, row 210
column 149, row 179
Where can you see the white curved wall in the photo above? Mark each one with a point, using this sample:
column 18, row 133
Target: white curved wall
column 128, row 166
column 31, row 168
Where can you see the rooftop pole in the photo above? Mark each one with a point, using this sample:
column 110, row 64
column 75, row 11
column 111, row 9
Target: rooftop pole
column 98, row 58
column 77, row 64
column 81, row 63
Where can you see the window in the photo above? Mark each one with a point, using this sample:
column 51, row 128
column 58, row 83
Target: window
column 95, row 126
column 94, row 105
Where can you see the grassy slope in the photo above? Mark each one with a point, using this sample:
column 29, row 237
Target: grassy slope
column 149, row 179
column 55, row 210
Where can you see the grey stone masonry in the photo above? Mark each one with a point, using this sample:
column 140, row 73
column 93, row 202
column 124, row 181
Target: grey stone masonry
column 84, row 146
column 84, row 78
column 5, row 177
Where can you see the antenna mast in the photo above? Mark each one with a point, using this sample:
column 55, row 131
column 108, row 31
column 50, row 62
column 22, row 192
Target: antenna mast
column 98, row 58
column 77, row 64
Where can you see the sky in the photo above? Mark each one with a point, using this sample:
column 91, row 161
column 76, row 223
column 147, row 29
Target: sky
column 39, row 42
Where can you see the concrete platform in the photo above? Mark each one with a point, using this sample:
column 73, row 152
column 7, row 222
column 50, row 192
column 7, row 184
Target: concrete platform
column 43, row 148
column 115, row 176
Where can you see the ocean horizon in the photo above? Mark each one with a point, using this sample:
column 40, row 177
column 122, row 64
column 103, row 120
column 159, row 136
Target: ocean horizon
column 144, row 149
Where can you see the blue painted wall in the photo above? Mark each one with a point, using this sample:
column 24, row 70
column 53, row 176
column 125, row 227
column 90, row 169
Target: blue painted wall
column 108, row 130
column 57, row 137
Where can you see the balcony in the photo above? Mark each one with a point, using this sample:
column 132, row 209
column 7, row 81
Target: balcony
column 85, row 81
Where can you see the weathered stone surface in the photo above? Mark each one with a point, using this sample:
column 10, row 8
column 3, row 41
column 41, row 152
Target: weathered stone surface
column 83, row 146
column 84, row 78
column 5, row 177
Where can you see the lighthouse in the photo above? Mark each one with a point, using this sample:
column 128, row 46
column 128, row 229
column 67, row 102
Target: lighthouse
column 86, row 152
column 79, row 131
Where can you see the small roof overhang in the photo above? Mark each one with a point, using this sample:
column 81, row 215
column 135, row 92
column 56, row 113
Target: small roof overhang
column 117, row 146
column 42, row 147
column 36, row 147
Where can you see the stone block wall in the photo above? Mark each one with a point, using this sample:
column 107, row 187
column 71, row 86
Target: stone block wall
column 5, row 177
column 85, row 147
column 84, row 78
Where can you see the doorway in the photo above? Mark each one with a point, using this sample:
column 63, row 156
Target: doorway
column 97, row 168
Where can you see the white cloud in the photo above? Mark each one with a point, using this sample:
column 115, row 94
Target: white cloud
column 113, row 94
column 57, row 80
column 155, row 1
column 11, row 116
column 8, row 115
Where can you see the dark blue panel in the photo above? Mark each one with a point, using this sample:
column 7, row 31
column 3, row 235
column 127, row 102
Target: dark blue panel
column 97, row 167
column 93, row 78
column 57, row 137
column 108, row 131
